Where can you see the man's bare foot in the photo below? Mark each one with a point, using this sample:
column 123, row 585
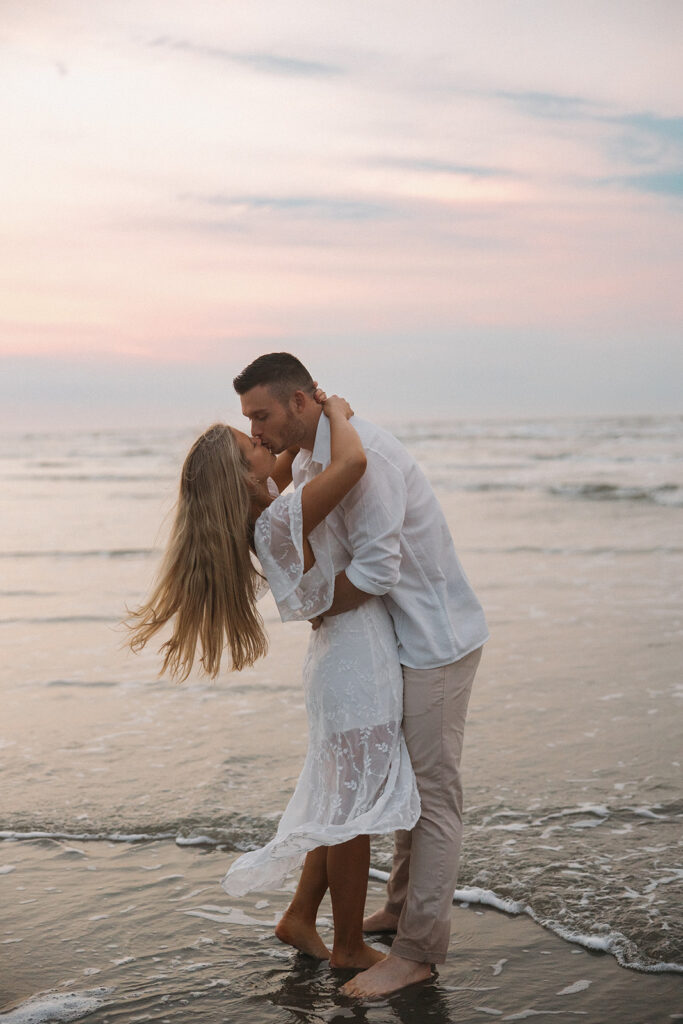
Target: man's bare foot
column 381, row 921
column 302, row 936
column 387, row 976
column 363, row 957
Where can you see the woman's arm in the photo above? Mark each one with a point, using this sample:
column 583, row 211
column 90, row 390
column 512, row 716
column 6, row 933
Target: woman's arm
column 347, row 465
column 282, row 474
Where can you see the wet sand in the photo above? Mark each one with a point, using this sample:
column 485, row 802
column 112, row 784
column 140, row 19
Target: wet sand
column 132, row 932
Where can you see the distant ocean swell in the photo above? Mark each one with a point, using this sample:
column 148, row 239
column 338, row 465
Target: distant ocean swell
column 588, row 552
column 79, row 478
column 95, row 553
column 668, row 494
column 659, row 494
column 663, row 494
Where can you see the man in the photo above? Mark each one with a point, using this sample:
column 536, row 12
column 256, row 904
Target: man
column 400, row 548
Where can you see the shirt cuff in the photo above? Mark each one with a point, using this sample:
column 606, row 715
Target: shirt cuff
column 362, row 582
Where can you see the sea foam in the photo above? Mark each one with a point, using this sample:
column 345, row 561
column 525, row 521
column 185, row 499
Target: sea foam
column 56, row 1007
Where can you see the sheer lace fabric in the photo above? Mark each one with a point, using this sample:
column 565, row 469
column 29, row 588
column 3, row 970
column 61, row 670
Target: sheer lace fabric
column 357, row 777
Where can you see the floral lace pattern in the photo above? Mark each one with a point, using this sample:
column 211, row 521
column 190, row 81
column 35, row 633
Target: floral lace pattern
column 278, row 538
column 357, row 777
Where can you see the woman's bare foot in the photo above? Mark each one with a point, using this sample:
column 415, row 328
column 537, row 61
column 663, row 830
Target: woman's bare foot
column 381, row 921
column 303, row 936
column 362, row 957
column 389, row 975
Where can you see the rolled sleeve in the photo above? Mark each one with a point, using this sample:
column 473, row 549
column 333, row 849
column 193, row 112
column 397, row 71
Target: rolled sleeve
column 374, row 512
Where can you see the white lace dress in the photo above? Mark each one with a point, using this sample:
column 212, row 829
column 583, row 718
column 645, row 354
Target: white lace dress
column 357, row 777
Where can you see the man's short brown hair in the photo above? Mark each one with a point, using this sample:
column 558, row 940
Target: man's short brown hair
column 281, row 372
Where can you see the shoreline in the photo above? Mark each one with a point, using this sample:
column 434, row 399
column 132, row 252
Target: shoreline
column 100, row 928
column 610, row 943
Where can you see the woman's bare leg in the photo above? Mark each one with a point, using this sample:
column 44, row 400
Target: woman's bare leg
column 297, row 925
column 347, row 874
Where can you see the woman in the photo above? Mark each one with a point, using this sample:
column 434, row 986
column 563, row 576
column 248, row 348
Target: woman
column 357, row 777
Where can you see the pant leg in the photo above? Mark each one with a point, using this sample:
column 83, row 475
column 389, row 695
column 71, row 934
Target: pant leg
column 434, row 707
column 397, row 886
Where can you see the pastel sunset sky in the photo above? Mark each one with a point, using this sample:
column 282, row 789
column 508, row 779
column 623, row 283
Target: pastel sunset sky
column 444, row 208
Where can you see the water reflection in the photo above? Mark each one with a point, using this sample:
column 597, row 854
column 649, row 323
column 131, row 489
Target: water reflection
column 310, row 992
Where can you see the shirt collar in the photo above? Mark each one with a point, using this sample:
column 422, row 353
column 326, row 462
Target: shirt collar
column 321, row 447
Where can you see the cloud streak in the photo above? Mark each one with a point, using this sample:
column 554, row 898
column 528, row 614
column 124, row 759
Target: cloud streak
column 334, row 208
column 263, row 63
column 641, row 139
column 435, row 166
column 549, row 106
column 664, row 184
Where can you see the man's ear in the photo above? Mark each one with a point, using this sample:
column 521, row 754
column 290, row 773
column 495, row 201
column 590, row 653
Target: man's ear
column 300, row 399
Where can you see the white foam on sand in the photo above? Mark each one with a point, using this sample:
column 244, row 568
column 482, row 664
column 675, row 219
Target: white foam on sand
column 195, row 841
column 578, row 986
column 56, row 1006
column 228, row 915
column 524, row 1014
column 610, row 942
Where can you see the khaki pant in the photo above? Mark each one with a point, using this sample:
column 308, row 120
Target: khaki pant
column 425, row 867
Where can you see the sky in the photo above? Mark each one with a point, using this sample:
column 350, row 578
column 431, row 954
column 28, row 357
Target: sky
column 443, row 208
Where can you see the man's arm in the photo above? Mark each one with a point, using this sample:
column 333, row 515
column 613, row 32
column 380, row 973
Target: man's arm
column 346, row 597
column 373, row 514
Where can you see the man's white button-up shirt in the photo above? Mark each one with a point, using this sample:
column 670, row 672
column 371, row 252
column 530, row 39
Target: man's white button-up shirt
column 400, row 548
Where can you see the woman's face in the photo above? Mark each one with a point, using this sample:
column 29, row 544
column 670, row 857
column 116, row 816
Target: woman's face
column 261, row 460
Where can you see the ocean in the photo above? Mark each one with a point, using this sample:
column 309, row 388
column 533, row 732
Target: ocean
column 123, row 797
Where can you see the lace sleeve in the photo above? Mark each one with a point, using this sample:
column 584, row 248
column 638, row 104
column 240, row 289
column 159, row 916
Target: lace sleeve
column 278, row 538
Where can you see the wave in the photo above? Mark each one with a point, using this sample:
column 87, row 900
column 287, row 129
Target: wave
column 84, row 837
column 532, row 549
column 613, row 942
column 600, row 894
column 240, row 832
column 604, row 893
column 667, row 494
column 578, row 428
column 51, row 620
column 84, row 683
column 27, row 593
column 94, row 553
column 662, row 494
column 78, row 478
column 56, row 1007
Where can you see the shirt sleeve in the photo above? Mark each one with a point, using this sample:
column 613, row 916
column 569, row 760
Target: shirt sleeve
column 373, row 514
column 279, row 543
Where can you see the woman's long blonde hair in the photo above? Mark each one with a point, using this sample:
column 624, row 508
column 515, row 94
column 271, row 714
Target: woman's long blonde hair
column 207, row 581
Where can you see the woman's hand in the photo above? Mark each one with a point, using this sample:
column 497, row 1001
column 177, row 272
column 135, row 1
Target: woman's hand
column 336, row 404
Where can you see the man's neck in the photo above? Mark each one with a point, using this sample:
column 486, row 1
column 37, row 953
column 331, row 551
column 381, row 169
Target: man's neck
column 308, row 441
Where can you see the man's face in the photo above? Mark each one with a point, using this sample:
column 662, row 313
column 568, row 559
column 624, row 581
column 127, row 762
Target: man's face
column 277, row 426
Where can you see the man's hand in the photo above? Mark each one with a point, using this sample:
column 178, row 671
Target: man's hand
column 317, row 622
